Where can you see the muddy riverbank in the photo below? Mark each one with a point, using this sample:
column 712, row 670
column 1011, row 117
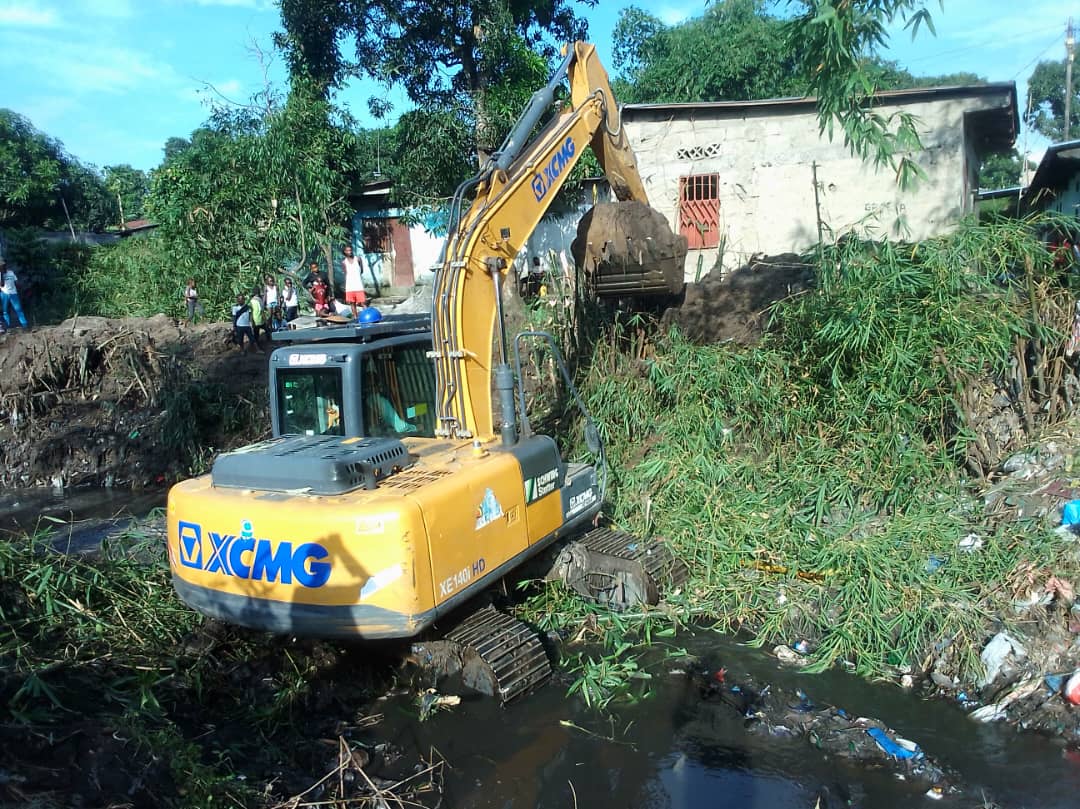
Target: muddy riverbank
column 135, row 402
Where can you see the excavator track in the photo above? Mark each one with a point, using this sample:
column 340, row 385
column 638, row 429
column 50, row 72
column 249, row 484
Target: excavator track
column 618, row 569
column 496, row 654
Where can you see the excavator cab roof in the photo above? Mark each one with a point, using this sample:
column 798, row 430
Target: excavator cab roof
column 355, row 332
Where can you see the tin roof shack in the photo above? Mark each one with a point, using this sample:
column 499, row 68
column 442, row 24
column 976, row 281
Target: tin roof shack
column 1056, row 184
column 398, row 254
column 738, row 177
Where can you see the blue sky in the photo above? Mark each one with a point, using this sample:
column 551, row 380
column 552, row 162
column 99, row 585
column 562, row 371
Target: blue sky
column 113, row 79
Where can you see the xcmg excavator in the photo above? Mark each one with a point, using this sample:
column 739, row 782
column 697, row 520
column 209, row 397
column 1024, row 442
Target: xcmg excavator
column 386, row 506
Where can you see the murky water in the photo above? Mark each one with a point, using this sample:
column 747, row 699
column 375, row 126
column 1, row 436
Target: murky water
column 24, row 511
column 674, row 749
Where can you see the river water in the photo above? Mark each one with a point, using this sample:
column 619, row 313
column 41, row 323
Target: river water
column 674, row 749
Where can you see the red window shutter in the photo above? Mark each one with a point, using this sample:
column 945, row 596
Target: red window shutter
column 699, row 210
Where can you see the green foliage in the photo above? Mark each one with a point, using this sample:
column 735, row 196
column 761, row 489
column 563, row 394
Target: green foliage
column 1045, row 112
column 130, row 187
column 447, row 57
column 47, row 270
column 255, row 189
column 735, row 51
column 1000, row 170
column 833, row 39
column 811, row 480
column 38, row 178
column 889, row 75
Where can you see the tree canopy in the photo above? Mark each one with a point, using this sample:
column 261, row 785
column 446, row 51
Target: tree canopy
column 736, row 50
column 38, row 178
column 1045, row 111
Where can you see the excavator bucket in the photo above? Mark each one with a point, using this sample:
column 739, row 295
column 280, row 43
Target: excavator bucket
column 627, row 250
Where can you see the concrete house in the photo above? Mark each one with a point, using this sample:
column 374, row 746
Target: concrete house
column 745, row 177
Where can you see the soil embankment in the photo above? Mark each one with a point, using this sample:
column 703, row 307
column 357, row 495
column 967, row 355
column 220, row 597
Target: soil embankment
column 137, row 401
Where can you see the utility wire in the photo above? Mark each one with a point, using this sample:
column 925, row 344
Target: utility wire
column 995, row 40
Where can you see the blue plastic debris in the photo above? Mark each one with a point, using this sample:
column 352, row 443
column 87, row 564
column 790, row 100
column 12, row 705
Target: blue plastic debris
column 1055, row 681
column 935, row 562
column 1070, row 515
column 894, row 749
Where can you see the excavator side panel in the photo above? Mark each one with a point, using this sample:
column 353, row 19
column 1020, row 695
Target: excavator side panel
column 350, row 565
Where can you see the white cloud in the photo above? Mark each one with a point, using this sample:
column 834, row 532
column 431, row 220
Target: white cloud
column 88, row 68
column 27, row 14
column 670, row 15
column 115, row 9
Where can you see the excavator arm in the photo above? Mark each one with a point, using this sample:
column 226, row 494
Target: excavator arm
column 512, row 193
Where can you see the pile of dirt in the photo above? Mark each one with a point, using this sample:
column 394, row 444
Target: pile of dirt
column 102, row 401
column 733, row 306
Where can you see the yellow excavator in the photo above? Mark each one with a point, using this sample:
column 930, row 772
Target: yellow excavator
column 385, row 506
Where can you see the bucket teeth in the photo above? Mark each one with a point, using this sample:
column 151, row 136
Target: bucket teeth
column 619, row 569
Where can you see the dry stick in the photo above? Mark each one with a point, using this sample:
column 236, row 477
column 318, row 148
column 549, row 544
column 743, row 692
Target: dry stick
column 1022, row 382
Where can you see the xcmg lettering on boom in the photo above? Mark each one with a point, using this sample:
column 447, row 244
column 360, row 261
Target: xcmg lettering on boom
column 542, row 183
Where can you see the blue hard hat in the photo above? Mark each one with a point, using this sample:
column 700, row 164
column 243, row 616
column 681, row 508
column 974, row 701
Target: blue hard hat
column 369, row 315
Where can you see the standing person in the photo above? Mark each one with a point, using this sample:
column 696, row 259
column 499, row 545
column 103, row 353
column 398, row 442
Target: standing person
column 9, row 295
column 272, row 298
column 290, row 301
column 320, row 294
column 353, row 267
column 191, row 297
column 241, row 319
column 258, row 314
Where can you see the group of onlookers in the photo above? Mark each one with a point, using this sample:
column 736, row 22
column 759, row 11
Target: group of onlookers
column 270, row 307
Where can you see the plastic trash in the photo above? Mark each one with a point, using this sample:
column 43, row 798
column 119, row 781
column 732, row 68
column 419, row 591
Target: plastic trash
column 1072, row 688
column 996, row 652
column 971, row 543
column 1070, row 515
column 802, row 647
column 788, row 656
column 934, row 563
column 900, row 748
column 1054, row 681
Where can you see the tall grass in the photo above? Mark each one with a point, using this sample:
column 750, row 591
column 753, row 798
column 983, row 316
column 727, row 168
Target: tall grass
column 814, row 481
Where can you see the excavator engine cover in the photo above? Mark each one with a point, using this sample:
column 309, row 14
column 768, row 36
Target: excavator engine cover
column 627, row 249
column 316, row 464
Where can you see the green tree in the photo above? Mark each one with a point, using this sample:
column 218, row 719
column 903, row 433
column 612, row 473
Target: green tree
column 128, row 187
column 1000, row 170
column 1045, row 111
column 41, row 185
column 735, row 51
column 441, row 53
column 834, row 40
column 255, row 189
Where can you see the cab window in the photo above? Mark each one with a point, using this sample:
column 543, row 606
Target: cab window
column 310, row 400
column 399, row 393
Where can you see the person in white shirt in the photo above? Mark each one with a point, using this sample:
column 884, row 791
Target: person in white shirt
column 9, row 295
column 353, row 268
column 241, row 318
column 290, row 301
column 272, row 297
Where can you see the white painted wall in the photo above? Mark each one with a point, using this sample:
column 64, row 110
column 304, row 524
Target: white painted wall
column 764, row 157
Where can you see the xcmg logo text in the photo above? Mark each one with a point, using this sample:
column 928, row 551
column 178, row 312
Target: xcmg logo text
column 545, row 179
column 245, row 557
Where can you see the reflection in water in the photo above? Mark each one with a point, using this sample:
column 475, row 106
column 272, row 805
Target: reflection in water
column 24, row 511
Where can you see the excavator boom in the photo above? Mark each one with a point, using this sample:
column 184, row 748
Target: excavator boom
column 512, row 193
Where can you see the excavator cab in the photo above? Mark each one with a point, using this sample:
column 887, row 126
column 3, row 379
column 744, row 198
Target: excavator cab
column 355, row 381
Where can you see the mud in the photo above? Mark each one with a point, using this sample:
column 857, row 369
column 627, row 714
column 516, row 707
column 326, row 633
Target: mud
column 734, row 305
column 627, row 249
column 94, row 401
